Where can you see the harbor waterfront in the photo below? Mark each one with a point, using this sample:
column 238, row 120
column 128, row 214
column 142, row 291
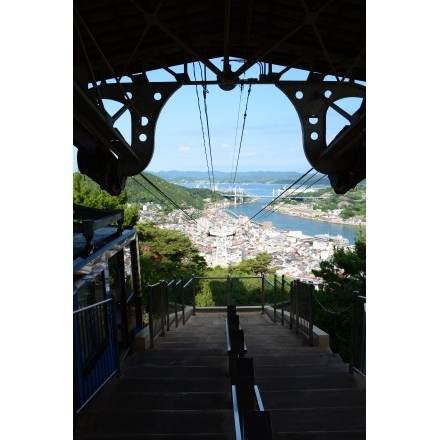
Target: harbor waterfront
column 225, row 234
column 256, row 212
column 285, row 222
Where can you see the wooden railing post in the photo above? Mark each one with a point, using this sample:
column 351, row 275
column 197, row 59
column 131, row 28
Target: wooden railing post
column 311, row 289
column 161, row 305
column 183, row 305
column 354, row 320
column 167, row 304
column 282, row 299
column 193, row 290
column 175, row 290
column 291, row 308
column 137, row 285
column 150, row 314
column 297, row 288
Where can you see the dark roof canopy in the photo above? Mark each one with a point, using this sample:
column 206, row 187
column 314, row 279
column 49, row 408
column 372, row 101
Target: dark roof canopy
column 118, row 38
column 126, row 37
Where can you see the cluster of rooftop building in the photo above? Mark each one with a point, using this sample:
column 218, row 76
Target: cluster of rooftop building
column 226, row 240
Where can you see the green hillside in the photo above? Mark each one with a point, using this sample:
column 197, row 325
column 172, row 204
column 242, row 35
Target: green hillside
column 147, row 188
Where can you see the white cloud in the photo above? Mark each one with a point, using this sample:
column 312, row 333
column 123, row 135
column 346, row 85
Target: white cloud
column 250, row 152
column 183, row 148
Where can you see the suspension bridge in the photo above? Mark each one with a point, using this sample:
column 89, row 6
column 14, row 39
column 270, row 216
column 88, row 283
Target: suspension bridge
column 239, row 196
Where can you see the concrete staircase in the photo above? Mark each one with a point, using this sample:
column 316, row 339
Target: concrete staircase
column 181, row 389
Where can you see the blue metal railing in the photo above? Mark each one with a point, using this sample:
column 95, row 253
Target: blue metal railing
column 95, row 349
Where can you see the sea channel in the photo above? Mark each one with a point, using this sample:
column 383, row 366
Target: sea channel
column 256, row 212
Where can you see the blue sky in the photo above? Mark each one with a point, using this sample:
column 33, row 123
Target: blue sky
column 271, row 141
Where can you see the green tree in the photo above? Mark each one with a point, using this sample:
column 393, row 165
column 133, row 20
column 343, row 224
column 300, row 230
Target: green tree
column 347, row 267
column 258, row 265
column 88, row 193
column 343, row 274
column 165, row 253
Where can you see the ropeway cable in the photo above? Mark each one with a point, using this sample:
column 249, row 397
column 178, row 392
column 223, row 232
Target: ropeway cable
column 279, row 195
column 236, row 134
column 156, row 197
column 203, row 129
column 242, row 132
column 289, row 187
column 205, row 92
column 169, row 199
column 210, row 172
column 295, row 196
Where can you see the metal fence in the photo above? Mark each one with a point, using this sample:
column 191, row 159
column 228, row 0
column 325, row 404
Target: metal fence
column 279, row 298
column 95, row 350
column 96, row 357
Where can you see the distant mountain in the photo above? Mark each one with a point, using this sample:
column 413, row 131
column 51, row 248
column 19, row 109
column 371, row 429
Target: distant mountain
column 275, row 177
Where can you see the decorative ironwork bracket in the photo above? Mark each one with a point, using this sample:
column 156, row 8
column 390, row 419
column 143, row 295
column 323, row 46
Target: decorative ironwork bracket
column 144, row 100
column 103, row 153
column 343, row 160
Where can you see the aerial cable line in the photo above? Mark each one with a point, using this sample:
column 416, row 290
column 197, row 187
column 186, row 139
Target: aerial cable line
column 156, row 197
column 203, row 131
column 236, row 134
column 164, row 195
column 205, row 91
column 264, row 207
column 279, row 195
column 210, row 171
column 242, row 132
column 162, row 201
column 170, row 200
column 295, row 196
column 86, row 179
column 298, row 193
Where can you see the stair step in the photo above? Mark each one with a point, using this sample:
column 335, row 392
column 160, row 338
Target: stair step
column 180, row 385
column 180, row 352
column 288, row 360
column 176, row 371
column 321, row 435
column 168, row 400
column 315, row 419
column 164, row 422
column 169, row 436
column 300, row 370
column 157, row 360
column 308, row 398
column 291, row 383
column 181, row 389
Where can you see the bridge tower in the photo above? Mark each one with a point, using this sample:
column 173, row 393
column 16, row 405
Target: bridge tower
column 221, row 253
column 238, row 195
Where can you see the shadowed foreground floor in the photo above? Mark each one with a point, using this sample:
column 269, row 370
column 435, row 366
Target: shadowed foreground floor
column 181, row 389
